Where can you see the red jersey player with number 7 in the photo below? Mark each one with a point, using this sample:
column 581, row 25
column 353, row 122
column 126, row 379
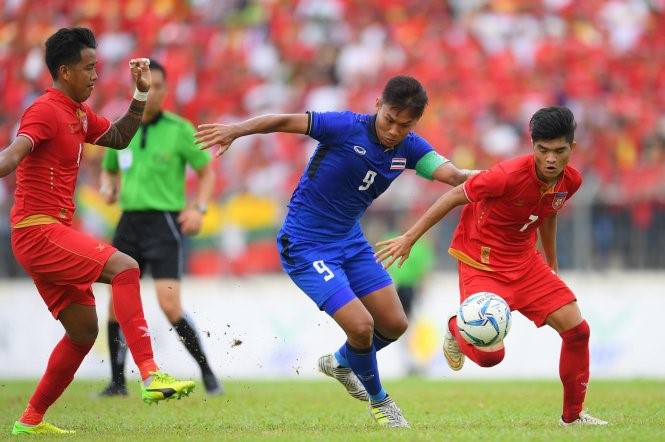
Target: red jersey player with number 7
column 63, row 262
column 495, row 243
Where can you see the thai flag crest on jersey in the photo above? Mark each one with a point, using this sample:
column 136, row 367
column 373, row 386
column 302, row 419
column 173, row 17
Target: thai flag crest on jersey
column 559, row 198
column 398, row 163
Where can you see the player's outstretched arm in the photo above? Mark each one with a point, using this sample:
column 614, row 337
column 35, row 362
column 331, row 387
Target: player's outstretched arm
column 448, row 173
column 124, row 128
column 398, row 249
column 213, row 134
column 12, row 155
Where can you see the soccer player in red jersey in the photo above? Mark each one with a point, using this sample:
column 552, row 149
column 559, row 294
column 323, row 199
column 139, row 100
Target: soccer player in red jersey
column 63, row 262
column 505, row 208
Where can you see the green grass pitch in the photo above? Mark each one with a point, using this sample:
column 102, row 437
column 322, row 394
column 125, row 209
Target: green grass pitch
column 320, row 410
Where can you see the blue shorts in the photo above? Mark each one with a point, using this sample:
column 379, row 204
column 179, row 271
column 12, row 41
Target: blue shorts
column 322, row 269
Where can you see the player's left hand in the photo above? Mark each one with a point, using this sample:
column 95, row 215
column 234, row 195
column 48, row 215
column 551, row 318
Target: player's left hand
column 394, row 248
column 190, row 220
column 211, row 134
column 140, row 68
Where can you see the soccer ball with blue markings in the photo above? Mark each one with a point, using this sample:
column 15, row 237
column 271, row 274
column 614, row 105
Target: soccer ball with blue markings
column 484, row 319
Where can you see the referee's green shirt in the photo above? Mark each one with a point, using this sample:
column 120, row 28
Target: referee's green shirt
column 152, row 168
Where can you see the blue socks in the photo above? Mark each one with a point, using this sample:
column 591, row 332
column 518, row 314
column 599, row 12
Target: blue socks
column 341, row 359
column 363, row 363
column 379, row 341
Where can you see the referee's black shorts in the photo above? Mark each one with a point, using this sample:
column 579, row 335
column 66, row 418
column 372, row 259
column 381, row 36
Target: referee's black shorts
column 154, row 240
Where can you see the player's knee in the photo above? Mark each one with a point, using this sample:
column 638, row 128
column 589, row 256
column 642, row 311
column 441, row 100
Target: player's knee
column 490, row 359
column 403, row 325
column 397, row 327
column 360, row 333
column 126, row 262
column 584, row 331
column 85, row 334
column 91, row 335
column 119, row 262
column 581, row 332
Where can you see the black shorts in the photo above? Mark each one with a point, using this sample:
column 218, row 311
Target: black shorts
column 154, row 240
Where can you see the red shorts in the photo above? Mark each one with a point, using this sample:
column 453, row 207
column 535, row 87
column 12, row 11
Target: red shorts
column 62, row 262
column 535, row 292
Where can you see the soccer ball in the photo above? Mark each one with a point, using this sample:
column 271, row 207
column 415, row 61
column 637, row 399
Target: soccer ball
column 484, row 319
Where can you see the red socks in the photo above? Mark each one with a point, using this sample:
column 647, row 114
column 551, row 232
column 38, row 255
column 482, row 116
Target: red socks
column 574, row 369
column 68, row 355
column 129, row 311
column 62, row 365
column 573, row 364
column 482, row 358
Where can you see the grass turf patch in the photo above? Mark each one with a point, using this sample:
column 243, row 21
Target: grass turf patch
column 311, row 410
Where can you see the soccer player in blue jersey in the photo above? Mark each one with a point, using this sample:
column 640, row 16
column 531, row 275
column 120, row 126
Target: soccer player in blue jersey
column 322, row 246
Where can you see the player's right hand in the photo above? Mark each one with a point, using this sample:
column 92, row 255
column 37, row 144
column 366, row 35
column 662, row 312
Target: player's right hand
column 140, row 68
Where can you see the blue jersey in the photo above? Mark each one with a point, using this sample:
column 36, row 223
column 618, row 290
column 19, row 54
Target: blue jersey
column 348, row 170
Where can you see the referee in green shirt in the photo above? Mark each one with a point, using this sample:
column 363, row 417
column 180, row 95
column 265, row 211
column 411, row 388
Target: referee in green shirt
column 148, row 180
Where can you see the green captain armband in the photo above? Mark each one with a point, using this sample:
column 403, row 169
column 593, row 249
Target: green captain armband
column 426, row 166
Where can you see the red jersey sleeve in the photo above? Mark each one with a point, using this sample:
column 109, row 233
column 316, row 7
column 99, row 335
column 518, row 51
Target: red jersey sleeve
column 97, row 125
column 39, row 123
column 575, row 180
column 487, row 184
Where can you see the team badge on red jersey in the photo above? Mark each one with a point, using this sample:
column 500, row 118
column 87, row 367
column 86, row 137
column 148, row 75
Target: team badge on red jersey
column 485, row 254
column 83, row 117
column 559, row 198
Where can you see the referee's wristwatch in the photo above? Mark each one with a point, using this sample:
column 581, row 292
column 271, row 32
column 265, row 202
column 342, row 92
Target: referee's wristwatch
column 202, row 208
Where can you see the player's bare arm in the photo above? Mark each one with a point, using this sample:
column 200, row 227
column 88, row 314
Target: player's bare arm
column 448, row 173
column 547, row 231
column 12, row 155
column 123, row 129
column 400, row 247
column 212, row 134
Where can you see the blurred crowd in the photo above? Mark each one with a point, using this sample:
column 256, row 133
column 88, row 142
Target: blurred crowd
column 487, row 65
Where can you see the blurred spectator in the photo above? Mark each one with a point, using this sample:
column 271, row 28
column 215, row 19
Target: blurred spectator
column 488, row 64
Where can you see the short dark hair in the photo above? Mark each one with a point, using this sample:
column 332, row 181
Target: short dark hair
column 550, row 123
column 405, row 93
column 157, row 66
column 64, row 47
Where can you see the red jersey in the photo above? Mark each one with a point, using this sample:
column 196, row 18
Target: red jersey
column 498, row 228
column 58, row 127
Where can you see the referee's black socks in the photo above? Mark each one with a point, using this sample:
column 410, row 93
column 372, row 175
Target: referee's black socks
column 192, row 343
column 118, row 353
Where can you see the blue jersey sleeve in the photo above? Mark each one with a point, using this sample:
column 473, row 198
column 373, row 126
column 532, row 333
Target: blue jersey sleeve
column 331, row 127
column 416, row 148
